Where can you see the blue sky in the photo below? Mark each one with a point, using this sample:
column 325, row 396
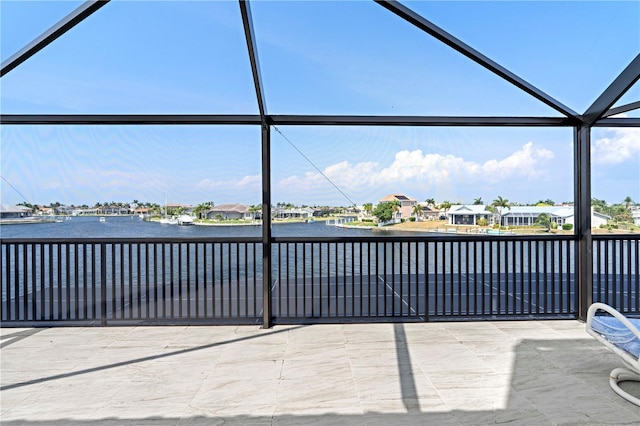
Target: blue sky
column 335, row 57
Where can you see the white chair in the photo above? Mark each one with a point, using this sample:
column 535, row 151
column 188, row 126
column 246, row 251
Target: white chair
column 622, row 336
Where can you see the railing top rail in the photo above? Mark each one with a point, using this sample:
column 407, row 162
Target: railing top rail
column 154, row 240
column 604, row 237
column 428, row 238
column 363, row 239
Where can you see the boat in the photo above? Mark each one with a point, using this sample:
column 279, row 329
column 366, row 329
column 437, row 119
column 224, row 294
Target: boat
column 103, row 219
column 169, row 221
column 185, row 220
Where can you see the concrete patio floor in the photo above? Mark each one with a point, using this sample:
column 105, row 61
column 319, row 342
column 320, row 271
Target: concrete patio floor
column 533, row 372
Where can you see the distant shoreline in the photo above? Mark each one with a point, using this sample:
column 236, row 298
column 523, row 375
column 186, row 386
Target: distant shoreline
column 27, row 221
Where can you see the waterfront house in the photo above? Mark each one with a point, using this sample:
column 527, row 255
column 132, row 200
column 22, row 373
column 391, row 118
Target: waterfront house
column 144, row 211
column 296, row 213
column 635, row 213
column 527, row 215
column 64, row 210
column 171, row 208
column 14, row 212
column 325, row 211
column 406, row 204
column 469, row 214
column 229, row 212
column 429, row 212
column 44, row 211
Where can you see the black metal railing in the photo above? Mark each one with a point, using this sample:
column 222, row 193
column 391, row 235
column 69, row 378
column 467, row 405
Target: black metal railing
column 131, row 281
column 616, row 272
column 166, row 281
column 420, row 279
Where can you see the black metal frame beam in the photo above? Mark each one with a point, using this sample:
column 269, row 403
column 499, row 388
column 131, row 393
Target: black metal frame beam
column 582, row 213
column 283, row 120
column 617, row 122
column 415, row 120
column 623, row 108
column 247, row 22
column 65, row 24
column 451, row 41
column 249, row 34
column 116, row 119
column 616, row 89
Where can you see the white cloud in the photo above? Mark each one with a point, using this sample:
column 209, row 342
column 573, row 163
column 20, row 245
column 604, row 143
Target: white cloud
column 523, row 163
column 343, row 174
column 429, row 169
column 621, row 145
column 247, row 181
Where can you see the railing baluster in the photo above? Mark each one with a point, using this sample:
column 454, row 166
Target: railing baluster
column 103, row 284
column 452, row 284
column 85, row 289
column 438, row 278
column 246, row 280
column 42, row 315
column 237, row 284
column 466, row 274
column 147, row 292
column 76, row 281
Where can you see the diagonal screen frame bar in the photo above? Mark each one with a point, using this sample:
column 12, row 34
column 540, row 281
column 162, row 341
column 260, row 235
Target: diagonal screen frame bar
column 622, row 108
column 247, row 23
column 61, row 27
column 616, row 89
column 458, row 45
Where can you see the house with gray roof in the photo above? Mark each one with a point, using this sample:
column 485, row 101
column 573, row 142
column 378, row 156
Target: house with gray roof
column 527, row 215
column 469, row 214
column 230, row 212
column 518, row 215
column 8, row 211
column 295, row 213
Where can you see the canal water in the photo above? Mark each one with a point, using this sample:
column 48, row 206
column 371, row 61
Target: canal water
column 133, row 227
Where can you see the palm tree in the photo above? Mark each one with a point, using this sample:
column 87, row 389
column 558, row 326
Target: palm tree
column 368, row 208
column 395, row 207
column 445, row 206
column 430, row 202
column 478, row 201
column 200, row 209
column 255, row 209
column 627, row 202
column 501, row 203
column 417, row 210
column 544, row 220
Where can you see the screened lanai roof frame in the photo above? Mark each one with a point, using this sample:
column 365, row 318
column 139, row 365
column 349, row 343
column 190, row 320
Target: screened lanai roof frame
column 597, row 115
